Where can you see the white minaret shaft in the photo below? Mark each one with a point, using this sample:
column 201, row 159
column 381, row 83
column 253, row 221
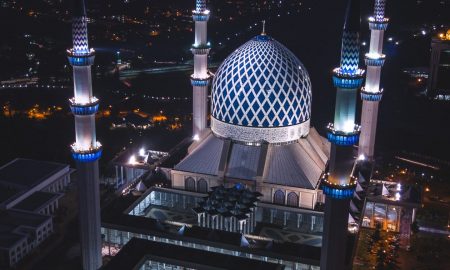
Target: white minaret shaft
column 86, row 150
column 200, row 79
column 371, row 94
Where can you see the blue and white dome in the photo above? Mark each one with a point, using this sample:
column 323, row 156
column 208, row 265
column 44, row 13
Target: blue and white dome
column 261, row 92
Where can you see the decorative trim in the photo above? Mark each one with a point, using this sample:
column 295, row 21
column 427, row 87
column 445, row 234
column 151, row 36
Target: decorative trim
column 85, row 156
column 81, row 59
column 337, row 191
column 200, row 16
column 346, row 80
column 341, row 138
column 377, row 61
column 256, row 134
column 371, row 96
column 201, row 49
column 84, row 109
column 200, row 81
column 378, row 24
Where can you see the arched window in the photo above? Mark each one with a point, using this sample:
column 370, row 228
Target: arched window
column 202, row 186
column 292, row 199
column 278, row 197
column 189, row 184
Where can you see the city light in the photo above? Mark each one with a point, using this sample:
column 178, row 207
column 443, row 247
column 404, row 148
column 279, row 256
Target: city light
column 196, row 137
column 132, row 160
column 142, row 152
column 361, row 157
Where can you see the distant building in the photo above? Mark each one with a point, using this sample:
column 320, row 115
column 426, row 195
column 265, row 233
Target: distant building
column 29, row 194
column 20, row 233
column 439, row 79
column 391, row 206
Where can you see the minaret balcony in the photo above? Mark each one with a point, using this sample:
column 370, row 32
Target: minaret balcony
column 84, row 108
column 375, row 24
column 371, row 96
column 374, row 59
column 201, row 49
column 343, row 138
column 200, row 16
column 346, row 80
column 81, row 59
column 200, row 81
column 338, row 191
column 91, row 154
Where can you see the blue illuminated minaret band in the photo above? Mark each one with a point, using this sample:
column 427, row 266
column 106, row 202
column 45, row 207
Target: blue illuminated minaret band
column 339, row 183
column 86, row 150
column 371, row 93
column 200, row 80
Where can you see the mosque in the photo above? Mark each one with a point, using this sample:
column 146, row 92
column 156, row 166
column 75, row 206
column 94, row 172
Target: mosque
column 260, row 133
column 251, row 182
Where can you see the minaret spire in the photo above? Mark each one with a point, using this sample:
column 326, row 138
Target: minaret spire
column 339, row 183
column 263, row 28
column 86, row 150
column 371, row 93
column 200, row 80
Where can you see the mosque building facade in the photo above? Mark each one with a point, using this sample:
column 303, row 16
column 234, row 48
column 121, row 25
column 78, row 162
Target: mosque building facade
column 260, row 134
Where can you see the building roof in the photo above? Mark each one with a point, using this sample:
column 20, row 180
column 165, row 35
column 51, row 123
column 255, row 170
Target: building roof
column 138, row 251
column 297, row 164
column 230, row 238
column 243, row 161
column 37, row 201
column 205, row 158
column 14, row 225
column 23, row 173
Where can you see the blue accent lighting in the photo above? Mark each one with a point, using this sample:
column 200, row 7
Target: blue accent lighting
column 374, row 25
column 200, row 17
column 87, row 60
column 199, row 82
column 345, row 82
column 87, row 156
column 378, row 62
column 371, row 96
column 338, row 193
column 343, row 139
column 84, row 110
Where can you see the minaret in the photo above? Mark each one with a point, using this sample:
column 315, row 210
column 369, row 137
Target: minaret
column 86, row 150
column 371, row 93
column 200, row 79
column 338, row 183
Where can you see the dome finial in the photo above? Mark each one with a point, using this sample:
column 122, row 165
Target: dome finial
column 263, row 33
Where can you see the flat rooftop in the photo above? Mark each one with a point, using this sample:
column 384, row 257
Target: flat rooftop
column 22, row 174
column 36, row 201
column 138, row 251
column 28, row 172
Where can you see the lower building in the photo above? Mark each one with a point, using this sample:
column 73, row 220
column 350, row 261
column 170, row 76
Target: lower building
column 29, row 195
column 20, row 233
column 284, row 235
column 148, row 255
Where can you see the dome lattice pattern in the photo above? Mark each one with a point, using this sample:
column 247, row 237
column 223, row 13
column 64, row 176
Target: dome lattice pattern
column 261, row 84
